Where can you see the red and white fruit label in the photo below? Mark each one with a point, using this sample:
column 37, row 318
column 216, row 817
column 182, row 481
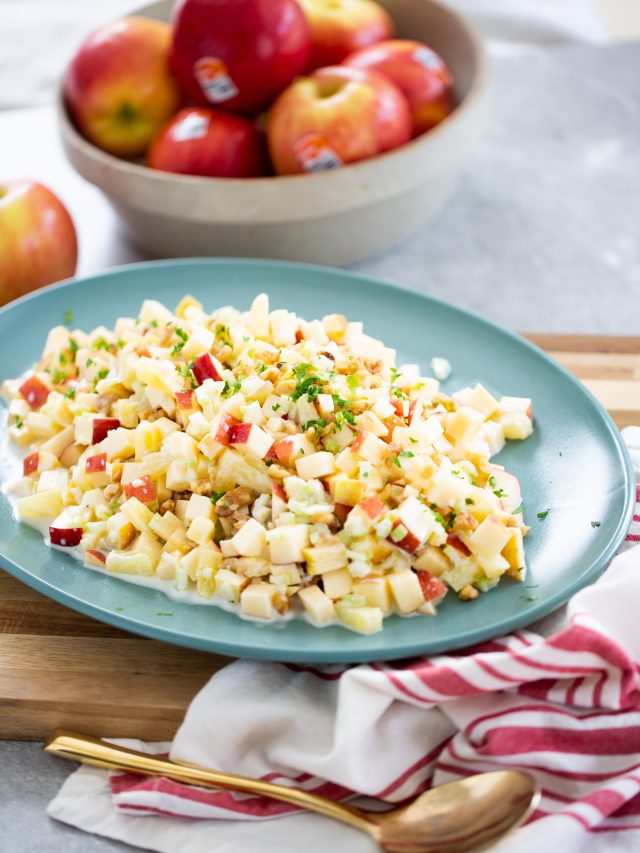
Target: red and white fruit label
column 314, row 154
column 215, row 81
column 426, row 57
column 192, row 126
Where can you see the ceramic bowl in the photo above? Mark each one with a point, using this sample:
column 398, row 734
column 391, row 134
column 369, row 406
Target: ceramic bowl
column 333, row 217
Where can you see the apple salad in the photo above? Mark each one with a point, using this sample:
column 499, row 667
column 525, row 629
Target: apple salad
column 263, row 462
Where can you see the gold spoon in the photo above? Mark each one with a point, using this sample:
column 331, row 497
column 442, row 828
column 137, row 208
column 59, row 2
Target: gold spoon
column 452, row 818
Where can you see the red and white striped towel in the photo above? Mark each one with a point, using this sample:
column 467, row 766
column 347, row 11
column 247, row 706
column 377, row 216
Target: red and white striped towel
column 563, row 707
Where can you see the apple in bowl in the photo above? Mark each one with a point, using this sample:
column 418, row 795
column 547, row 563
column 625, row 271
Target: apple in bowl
column 202, row 141
column 339, row 27
column 119, row 89
column 418, row 71
column 238, row 53
column 38, row 243
column 336, row 115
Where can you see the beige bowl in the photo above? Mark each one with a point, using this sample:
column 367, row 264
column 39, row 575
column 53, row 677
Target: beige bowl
column 333, row 217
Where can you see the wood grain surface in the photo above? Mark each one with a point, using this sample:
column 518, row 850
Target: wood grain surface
column 59, row 668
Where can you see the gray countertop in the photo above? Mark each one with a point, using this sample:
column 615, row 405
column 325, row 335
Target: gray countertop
column 540, row 234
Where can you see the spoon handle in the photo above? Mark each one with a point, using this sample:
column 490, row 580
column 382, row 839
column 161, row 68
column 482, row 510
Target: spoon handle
column 99, row 753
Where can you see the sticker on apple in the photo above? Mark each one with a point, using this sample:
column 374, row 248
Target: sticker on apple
column 314, row 154
column 193, row 126
column 215, row 81
column 426, row 57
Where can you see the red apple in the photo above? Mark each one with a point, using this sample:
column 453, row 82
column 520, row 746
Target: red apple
column 221, row 427
column 418, row 72
column 202, row 141
column 119, row 88
column 30, row 463
column 373, row 507
column 207, row 367
column 96, row 464
column 431, row 587
column 186, row 400
column 457, row 543
column 101, row 427
column 141, row 488
column 339, row 27
column 250, row 438
column 239, row 53
column 67, row 537
column 34, row 391
column 38, row 243
column 334, row 116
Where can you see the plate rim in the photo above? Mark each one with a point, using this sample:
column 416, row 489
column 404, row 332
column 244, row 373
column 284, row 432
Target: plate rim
column 237, row 649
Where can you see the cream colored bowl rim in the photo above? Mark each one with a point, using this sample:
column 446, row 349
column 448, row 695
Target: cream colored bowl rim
column 362, row 170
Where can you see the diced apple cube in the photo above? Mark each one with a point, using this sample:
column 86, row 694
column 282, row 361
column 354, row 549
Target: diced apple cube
column 250, row 438
column 483, row 401
column 120, row 531
column 369, row 422
column 251, row 539
column 164, row 525
column 432, row 560
column 383, row 409
column 337, row 583
column 201, row 530
column 413, row 524
column 286, row 544
column 370, row 447
column 129, row 563
column 200, row 341
column 137, row 513
column 147, row 545
column 325, row 404
column 54, row 480
column 517, row 426
column 207, row 367
column 513, row 551
column 61, row 534
column 257, row 600
column 293, row 447
column 40, row 505
column 375, row 591
column 363, row 619
column 345, row 490
column 179, row 476
column 516, row 405
column 35, row 391
column 229, row 585
column 147, row 439
column 325, row 558
column 406, row 590
column 490, row 537
column 463, row 424
column 119, row 444
column 94, row 559
column 200, row 506
column 317, row 605
column 315, row 465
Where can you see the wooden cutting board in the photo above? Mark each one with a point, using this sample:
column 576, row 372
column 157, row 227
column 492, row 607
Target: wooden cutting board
column 58, row 668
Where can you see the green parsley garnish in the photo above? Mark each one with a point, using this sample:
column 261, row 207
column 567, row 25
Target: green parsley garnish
column 101, row 343
column 102, row 374
column 468, row 501
column 399, row 394
column 19, row 423
column 413, row 440
column 499, row 493
column 407, row 453
column 596, row 523
column 163, row 613
column 492, row 482
column 353, row 381
column 543, row 514
column 73, row 346
column 216, row 496
column 58, row 376
column 121, row 344
column 268, row 462
column 181, row 334
column 177, row 348
column 68, row 316
column 317, row 424
column 230, row 388
column 70, row 394
column 518, row 510
column 154, row 324
column 345, row 416
column 396, row 461
column 88, row 362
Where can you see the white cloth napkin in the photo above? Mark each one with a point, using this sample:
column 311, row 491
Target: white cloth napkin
column 563, row 706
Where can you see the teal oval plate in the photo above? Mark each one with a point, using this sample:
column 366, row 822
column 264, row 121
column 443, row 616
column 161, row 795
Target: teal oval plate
column 575, row 464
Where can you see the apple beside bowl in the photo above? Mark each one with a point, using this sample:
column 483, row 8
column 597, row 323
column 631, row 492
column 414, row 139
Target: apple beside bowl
column 335, row 216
